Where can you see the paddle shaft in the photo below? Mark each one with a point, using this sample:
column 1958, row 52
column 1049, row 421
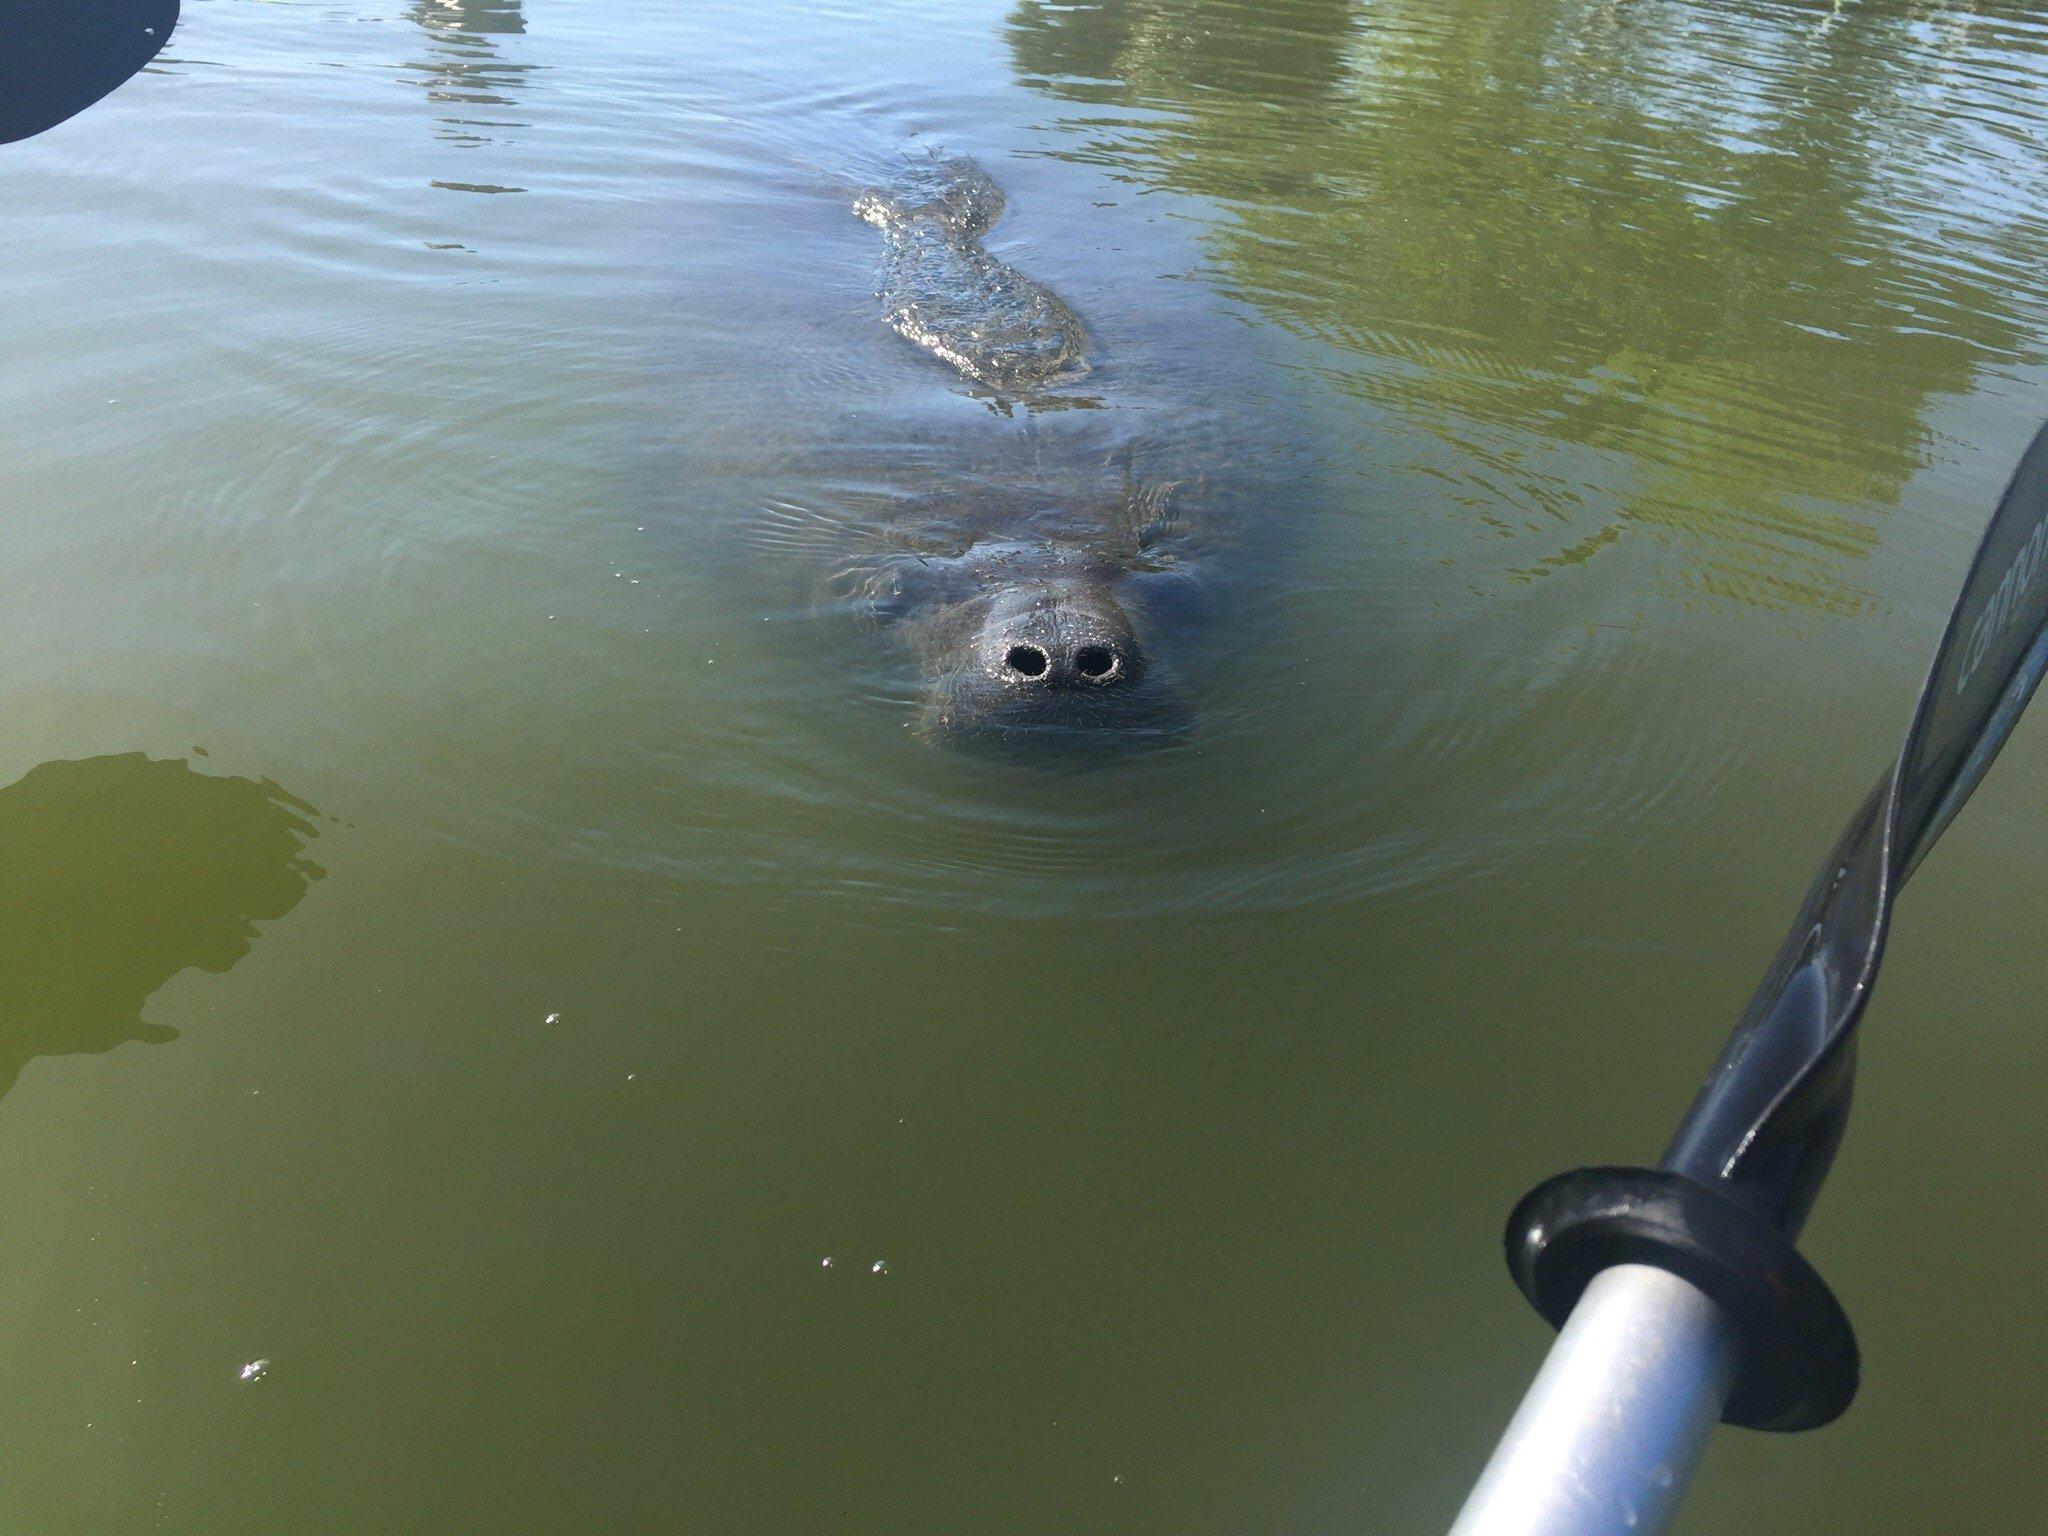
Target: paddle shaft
column 1613, row 1426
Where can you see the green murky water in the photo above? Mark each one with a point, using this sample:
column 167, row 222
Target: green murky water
column 427, row 426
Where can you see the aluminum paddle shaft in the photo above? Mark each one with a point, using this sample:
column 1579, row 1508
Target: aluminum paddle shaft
column 1615, row 1422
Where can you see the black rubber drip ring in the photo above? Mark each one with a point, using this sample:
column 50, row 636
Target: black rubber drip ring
column 1799, row 1360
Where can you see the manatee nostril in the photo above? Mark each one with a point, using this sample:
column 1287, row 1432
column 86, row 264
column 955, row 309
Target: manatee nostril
column 1026, row 660
column 1096, row 661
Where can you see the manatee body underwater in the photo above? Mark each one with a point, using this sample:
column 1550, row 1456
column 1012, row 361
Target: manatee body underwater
column 1032, row 612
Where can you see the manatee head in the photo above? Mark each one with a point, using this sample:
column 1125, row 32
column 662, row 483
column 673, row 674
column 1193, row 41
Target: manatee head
column 1059, row 654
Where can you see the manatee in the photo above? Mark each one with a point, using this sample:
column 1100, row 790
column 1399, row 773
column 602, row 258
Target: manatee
column 1031, row 612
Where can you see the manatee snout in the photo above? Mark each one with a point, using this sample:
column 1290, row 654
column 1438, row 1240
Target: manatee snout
column 1049, row 656
column 1051, row 640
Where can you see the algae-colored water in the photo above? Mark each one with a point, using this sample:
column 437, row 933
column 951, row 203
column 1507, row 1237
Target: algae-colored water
column 477, row 940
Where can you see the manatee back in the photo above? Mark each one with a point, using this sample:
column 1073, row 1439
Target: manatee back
column 950, row 189
column 942, row 290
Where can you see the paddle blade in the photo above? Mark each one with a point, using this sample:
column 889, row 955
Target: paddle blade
column 58, row 57
column 1990, row 661
column 1765, row 1125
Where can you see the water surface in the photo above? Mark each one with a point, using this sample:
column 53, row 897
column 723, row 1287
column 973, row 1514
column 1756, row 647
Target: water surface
column 430, row 428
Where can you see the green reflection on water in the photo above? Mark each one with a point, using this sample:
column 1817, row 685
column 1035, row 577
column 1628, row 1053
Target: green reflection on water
column 1717, row 249
column 464, row 77
column 117, row 873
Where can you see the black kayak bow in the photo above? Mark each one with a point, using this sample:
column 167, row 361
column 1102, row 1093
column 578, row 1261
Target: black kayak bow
column 58, row 57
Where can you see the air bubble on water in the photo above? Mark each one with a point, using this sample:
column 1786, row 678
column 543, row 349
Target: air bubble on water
column 256, row 1370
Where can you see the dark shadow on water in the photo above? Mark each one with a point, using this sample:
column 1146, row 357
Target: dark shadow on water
column 117, row 873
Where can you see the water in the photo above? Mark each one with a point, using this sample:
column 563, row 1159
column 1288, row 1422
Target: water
column 480, row 937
